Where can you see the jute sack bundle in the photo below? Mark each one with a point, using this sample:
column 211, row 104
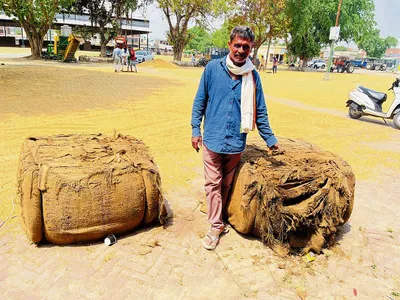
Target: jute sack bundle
column 83, row 187
column 296, row 198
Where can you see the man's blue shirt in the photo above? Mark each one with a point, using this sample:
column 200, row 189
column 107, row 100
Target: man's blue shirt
column 218, row 100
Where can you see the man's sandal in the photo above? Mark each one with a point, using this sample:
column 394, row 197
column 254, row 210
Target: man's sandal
column 211, row 241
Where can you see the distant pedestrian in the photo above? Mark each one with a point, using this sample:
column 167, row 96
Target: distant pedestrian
column 132, row 59
column 193, row 61
column 262, row 63
column 117, row 58
column 124, row 59
column 275, row 66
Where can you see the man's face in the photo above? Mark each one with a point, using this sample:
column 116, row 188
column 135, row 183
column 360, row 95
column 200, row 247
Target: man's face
column 240, row 49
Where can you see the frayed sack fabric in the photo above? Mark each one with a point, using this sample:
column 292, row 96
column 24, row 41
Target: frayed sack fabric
column 83, row 187
column 293, row 200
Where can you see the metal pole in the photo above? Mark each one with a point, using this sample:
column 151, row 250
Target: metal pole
column 328, row 69
column 147, row 42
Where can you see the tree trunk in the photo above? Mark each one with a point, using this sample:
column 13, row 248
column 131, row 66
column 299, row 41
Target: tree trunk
column 103, row 44
column 267, row 58
column 35, row 40
column 103, row 49
column 255, row 52
column 36, row 46
column 178, row 50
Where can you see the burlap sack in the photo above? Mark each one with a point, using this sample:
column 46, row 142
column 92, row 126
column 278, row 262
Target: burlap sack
column 295, row 199
column 83, row 187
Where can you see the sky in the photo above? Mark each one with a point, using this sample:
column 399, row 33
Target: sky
column 387, row 16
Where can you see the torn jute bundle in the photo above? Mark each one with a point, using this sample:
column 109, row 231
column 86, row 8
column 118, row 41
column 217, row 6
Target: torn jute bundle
column 83, row 187
column 293, row 199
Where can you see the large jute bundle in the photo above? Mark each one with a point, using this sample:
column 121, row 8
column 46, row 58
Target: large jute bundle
column 295, row 198
column 83, row 187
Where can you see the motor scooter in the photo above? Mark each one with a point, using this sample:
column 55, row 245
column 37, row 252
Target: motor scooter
column 367, row 102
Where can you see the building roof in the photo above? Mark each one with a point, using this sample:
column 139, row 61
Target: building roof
column 132, row 25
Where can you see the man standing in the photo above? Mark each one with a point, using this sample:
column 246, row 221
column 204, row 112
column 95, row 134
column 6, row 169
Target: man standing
column 132, row 59
column 117, row 58
column 275, row 66
column 225, row 98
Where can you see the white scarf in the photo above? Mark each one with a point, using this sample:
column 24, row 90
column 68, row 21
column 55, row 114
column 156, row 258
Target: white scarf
column 247, row 93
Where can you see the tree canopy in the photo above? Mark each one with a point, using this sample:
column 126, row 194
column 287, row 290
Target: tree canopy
column 311, row 21
column 341, row 48
column 220, row 37
column 267, row 18
column 103, row 13
column 199, row 39
column 36, row 17
column 374, row 45
column 179, row 13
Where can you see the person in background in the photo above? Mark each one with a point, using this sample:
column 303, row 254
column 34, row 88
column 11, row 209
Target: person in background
column 230, row 101
column 275, row 65
column 124, row 56
column 193, row 61
column 117, row 57
column 132, row 59
column 262, row 63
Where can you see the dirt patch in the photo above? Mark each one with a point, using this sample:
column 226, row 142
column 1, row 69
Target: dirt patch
column 160, row 63
column 53, row 89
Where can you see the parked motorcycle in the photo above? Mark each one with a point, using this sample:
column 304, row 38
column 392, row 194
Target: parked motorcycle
column 202, row 62
column 366, row 102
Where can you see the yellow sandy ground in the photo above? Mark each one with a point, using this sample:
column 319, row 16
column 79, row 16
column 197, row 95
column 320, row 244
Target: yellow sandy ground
column 46, row 98
column 301, row 106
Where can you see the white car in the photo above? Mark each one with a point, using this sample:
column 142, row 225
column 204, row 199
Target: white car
column 142, row 56
column 317, row 64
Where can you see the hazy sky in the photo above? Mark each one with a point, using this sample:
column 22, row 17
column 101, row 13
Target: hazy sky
column 387, row 16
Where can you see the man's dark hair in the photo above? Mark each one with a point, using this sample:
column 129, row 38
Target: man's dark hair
column 242, row 31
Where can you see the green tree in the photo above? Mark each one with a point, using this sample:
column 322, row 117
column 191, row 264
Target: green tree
column 199, row 39
column 178, row 14
column 391, row 42
column 105, row 13
column 85, row 32
column 36, row 17
column 341, row 48
column 311, row 21
column 374, row 45
column 267, row 19
column 220, row 37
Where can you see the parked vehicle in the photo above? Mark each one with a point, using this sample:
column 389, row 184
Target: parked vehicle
column 143, row 55
column 342, row 64
column 359, row 63
column 366, row 102
column 202, row 62
column 376, row 64
column 317, row 64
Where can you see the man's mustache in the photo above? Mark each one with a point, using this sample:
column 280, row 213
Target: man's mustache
column 240, row 55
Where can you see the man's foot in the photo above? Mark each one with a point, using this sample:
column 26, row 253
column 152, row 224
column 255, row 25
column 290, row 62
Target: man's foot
column 211, row 239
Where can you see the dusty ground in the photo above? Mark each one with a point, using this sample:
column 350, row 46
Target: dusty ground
column 45, row 98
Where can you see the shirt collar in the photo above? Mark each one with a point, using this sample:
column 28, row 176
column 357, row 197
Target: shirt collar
column 223, row 64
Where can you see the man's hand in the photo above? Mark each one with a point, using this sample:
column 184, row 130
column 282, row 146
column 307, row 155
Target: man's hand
column 274, row 147
column 197, row 142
